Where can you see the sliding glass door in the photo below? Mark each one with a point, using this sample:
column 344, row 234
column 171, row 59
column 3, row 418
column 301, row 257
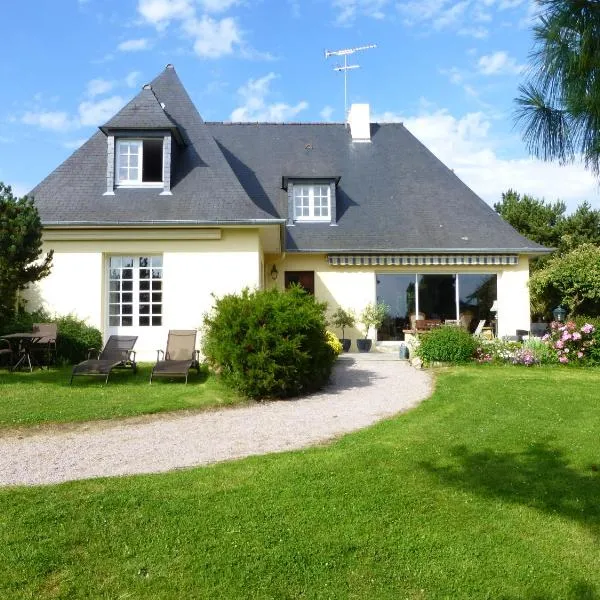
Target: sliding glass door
column 462, row 297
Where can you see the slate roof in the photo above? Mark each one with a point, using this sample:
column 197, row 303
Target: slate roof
column 204, row 188
column 143, row 112
column 393, row 194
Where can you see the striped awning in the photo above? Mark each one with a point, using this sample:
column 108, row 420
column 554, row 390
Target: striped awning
column 414, row 260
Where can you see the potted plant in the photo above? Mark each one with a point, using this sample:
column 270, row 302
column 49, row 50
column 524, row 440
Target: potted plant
column 371, row 316
column 343, row 318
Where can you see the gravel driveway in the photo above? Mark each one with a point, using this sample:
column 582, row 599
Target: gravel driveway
column 362, row 391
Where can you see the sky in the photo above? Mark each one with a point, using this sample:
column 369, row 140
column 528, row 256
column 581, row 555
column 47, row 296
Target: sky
column 448, row 69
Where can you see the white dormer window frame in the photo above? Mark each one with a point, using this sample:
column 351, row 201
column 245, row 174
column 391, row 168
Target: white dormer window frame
column 312, row 202
column 130, row 164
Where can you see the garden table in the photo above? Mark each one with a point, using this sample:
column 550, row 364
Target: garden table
column 25, row 341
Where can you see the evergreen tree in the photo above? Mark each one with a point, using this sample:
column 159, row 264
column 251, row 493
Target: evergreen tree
column 559, row 106
column 21, row 260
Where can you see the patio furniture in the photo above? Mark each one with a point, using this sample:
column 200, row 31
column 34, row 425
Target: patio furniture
column 422, row 325
column 6, row 352
column 118, row 352
column 179, row 357
column 538, row 329
column 24, row 342
column 45, row 347
column 521, row 333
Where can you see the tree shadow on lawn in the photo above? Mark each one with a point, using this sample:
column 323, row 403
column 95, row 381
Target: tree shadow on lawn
column 579, row 591
column 539, row 477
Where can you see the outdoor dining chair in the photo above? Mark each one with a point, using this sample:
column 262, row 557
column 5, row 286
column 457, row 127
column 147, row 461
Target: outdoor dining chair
column 179, row 357
column 118, row 352
column 45, row 347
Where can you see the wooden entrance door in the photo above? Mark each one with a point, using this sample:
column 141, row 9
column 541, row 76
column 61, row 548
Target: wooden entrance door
column 304, row 278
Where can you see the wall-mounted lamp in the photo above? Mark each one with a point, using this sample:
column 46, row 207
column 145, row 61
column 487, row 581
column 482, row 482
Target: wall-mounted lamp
column 274, row 272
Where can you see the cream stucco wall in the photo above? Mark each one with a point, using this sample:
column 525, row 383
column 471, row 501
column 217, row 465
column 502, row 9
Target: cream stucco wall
column 193, row 269
column 354, row 287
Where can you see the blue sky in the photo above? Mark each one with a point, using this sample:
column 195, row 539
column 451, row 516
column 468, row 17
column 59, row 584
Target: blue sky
column 448, row 69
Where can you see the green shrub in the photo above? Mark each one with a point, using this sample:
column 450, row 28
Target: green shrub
column 269, row 344
column 446, row 344
column 75, row 338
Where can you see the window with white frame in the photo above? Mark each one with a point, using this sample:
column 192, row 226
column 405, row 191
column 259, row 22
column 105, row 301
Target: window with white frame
column 139, row 162
column 135, row 291
column 312, row 202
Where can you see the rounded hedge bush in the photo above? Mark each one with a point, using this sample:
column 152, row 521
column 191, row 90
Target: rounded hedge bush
column 75, row 337
column 269, row 344
column 447, row 343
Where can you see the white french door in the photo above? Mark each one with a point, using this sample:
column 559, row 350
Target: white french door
column 135, row 300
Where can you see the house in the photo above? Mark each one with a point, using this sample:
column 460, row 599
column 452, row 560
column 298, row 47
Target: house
column 160, row 210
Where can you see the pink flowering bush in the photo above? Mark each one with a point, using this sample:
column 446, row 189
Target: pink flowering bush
column 572, row 344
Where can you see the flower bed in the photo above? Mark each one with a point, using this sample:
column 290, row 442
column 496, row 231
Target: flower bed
column 572, row 344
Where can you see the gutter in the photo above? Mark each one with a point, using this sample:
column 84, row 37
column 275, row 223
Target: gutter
column 425, row 251
column 148, row 224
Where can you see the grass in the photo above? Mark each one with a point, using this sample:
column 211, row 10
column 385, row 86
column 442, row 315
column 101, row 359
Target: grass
column 490, row 489
column 46, row 396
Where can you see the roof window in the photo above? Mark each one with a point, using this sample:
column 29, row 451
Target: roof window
column 139, row 162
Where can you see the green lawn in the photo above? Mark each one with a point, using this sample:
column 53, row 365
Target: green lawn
column 490, row 489
column 46, row 396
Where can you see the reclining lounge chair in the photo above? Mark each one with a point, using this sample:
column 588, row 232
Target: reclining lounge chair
column 179, row 357
column 118, row 352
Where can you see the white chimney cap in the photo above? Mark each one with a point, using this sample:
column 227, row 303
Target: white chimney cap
column 359, row 119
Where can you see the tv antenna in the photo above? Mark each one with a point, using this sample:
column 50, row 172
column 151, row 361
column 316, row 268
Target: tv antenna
column 346, row 67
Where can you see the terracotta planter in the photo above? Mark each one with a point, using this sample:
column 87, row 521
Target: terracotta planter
column 364, row 345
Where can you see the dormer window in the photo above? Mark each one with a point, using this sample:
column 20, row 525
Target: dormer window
column 139, row 162
column 312, row 202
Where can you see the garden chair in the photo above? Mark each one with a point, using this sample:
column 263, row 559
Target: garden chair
column 6, row 352
column 179, row 357
column 118, row 352
column 45, row 347
column 479, row 328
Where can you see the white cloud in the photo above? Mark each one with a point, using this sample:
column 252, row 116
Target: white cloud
column 213, row 38
column 255, row 108
column 326, row 113
column 479, row 33
column 466, row 144
column 464, row 16
column 96, row 87
column 498, row 63
column 131, row 79
column 161, row 12
column 217, row 6
column 134, row 45
column 53, row 120
column 97, row 113
column 348, row 10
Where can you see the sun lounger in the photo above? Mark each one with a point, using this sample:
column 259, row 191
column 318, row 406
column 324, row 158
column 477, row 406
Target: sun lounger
column 118, row 352
column 179, row 357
